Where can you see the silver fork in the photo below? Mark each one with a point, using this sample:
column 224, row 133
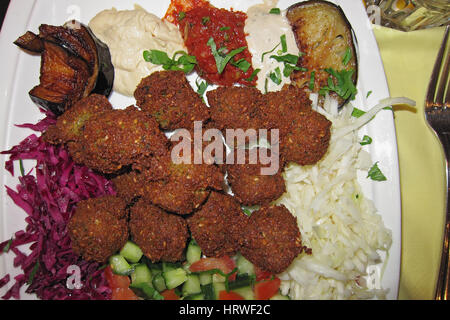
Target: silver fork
column 437, row 113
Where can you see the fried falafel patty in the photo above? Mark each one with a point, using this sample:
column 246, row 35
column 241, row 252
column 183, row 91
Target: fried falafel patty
column 161, row 236
column 169, row 98
column 186, row 186
column 236, row 107
column 272, row 239
column 252, row 186
column 98, row 228
column 70, row 124
column 308, row 138
column 117, row 138
column 217, row 227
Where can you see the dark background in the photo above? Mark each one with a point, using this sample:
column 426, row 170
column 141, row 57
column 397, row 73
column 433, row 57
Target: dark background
column 3, row 6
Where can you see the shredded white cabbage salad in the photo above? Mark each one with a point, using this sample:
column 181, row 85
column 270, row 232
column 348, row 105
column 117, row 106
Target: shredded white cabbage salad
column 340, row 225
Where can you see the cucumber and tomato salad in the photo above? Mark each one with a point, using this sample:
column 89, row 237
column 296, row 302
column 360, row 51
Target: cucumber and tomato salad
column 132, row 276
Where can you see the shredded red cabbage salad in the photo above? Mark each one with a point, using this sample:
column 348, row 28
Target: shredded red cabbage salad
column 48, row 194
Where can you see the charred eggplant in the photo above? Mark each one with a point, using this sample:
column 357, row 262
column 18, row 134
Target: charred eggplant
column 325, row 37
column 74, row 63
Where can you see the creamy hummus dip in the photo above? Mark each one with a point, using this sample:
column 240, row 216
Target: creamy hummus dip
column 128, row 34
column 264, row 31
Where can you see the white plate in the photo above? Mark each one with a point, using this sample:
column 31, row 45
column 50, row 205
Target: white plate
column 20, row 72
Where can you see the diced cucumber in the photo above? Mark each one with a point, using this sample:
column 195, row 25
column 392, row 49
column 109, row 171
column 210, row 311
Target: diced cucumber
column 246, row 292
column 141, row 274
column 218, row 286
column 208, row 291
column 120, row 265
column 198, row 296
column 194, row 252
column 242, row 280
column 159, row 283
column 146, row 291
column 244, row 266
column 175, row 277
column 191, row 286
column 205, row 278
column 280, row 296
column 169, row 266
column 155, row 268
column 131, row 252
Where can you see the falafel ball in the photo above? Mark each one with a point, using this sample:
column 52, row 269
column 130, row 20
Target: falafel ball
column 308, row 138
column 186, row 187
column 169, row 98
column 272, row 239
column 161, row 236
column 236, row 107
column 118, row 138
column 217, row 227
column 98, row 228
column 69, row 125
column 250, row 184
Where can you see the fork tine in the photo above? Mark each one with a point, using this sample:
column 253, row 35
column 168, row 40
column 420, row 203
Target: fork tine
column 436, row 70
column 443, row 81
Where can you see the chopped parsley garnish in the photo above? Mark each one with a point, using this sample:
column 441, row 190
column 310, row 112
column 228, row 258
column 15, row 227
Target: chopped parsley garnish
column 287, row 58
column 219, row 56
column 347, row 56
column 201, row 86
column 283, row 43
column 366, row 140
column 275, row 11
column 181, row 15
column 311, row 80
column 276, row 76
column 267, row 52
column 290, row 63
column 33, row 273
column 253, row 75
column 22, row 170
column 242, row 64
column 343, row 85
column 375, row 173
column 368, row 93
column 224, row 28
column 184, row 63
column 7, row 246
column 357, row 112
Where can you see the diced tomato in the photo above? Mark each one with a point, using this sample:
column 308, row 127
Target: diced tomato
column 266, row 289
column 225, row 264
column 119, row 286
column 170, row 295
column 224, row 295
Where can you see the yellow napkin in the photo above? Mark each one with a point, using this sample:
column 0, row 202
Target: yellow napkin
column 408, row 59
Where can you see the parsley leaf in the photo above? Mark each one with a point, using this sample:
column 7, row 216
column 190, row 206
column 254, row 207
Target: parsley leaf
column 275, row 11
column 343, row 86
column 201, row 86
column 276, row 76
column 184, row 63
column 253, row 75
column 366, row 140
column 218, row 54
column 357, row 112
column 347, row 56
column 375, row 173
column 311, row 80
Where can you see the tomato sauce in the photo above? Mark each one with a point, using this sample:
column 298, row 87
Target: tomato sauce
column 201, row 23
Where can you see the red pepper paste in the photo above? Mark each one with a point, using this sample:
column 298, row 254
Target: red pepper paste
column 198, row 25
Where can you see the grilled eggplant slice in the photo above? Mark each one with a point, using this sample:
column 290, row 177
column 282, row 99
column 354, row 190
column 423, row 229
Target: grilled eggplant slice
column 74, row 63
column 326, row 39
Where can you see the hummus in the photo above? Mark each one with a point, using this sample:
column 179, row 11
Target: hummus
column 128, row 34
